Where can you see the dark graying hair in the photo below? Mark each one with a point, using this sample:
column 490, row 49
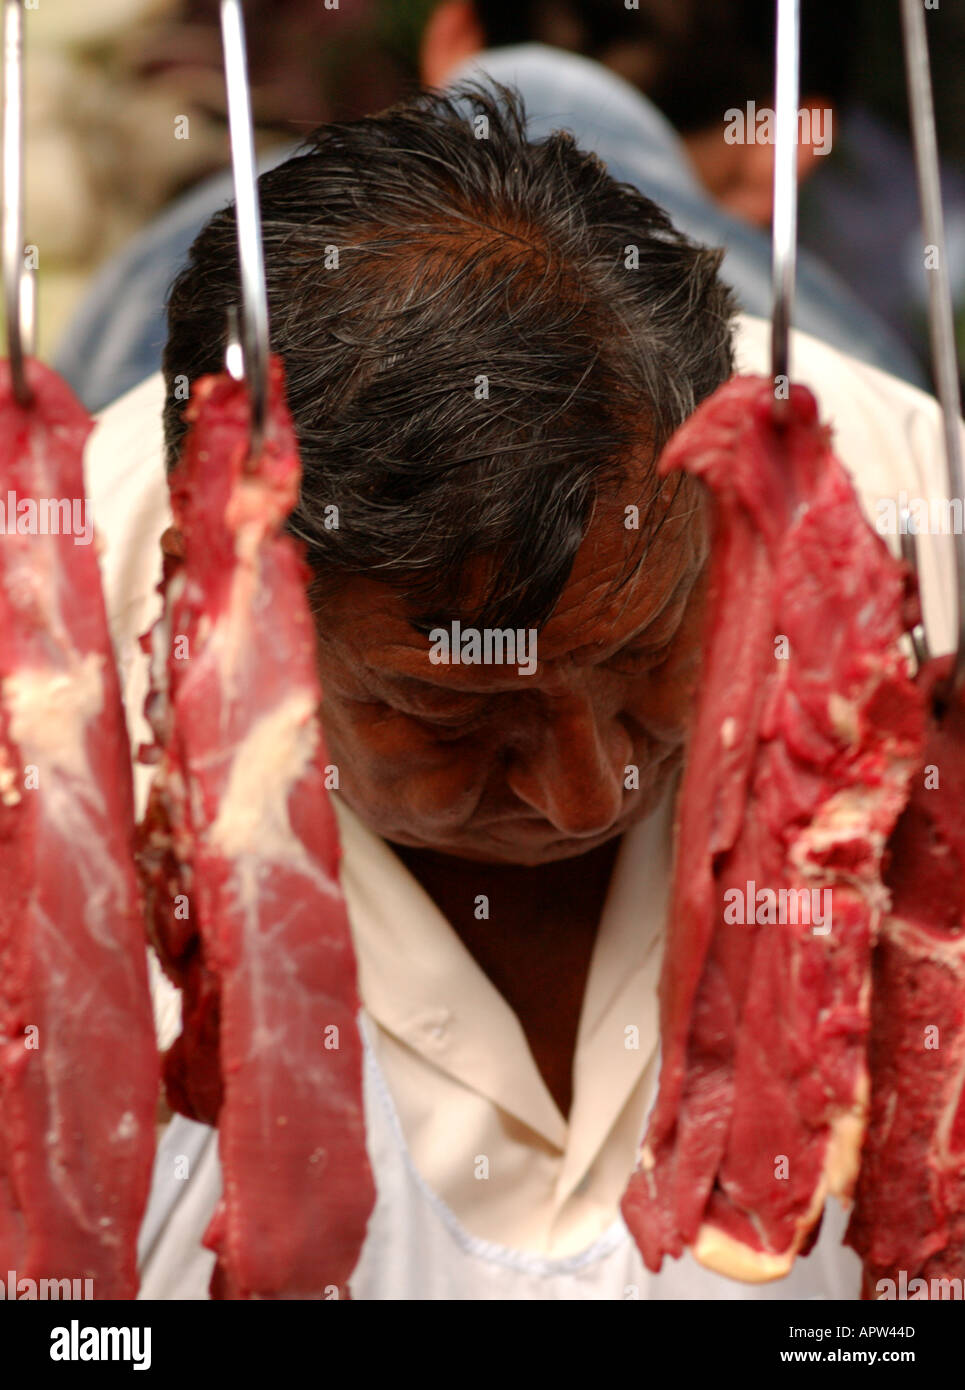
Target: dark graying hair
column 505, row 329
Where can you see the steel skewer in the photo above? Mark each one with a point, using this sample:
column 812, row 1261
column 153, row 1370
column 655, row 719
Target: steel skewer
column 18, row 281
column 941, row 326
column 252, row 334
column 784, row 232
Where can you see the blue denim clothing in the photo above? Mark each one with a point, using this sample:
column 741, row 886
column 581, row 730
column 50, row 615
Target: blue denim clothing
column 116, row 338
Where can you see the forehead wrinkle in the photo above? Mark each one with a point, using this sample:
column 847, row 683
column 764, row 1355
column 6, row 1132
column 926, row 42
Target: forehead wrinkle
column 671, row 567
column 387, row 646
column 672, row 596
column 476, row 680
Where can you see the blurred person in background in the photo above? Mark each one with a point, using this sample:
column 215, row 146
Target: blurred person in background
column 700, row 60
column 697, row 60
column 694, row 60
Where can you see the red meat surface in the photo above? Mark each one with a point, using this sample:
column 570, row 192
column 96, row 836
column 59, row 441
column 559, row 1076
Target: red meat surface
column 807, row 728
column 240, row 852
column 78, row 1060
column 908, row 1221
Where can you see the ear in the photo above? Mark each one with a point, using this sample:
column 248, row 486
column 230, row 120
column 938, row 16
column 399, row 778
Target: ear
column 452, row 34
column 172, row 543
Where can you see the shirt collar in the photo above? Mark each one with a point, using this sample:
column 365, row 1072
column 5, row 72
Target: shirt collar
column 418, row 981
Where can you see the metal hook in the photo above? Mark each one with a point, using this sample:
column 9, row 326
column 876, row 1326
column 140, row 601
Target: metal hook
column 940, row 318
column 784, row 234
column 909, row 553
column 18, row 281
column 251, row 342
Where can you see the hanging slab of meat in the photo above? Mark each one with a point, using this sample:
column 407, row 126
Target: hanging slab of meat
column 806, row 730
column 240, row 852
column 78, row 1060
column 909, row 1216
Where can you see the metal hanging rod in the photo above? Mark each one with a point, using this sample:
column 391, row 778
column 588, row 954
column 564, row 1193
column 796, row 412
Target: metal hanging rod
column 784, row 234
column 941, row 325
column 247, row 341
column 19, row 294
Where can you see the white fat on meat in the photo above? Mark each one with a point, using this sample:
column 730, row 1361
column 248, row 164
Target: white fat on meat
column 253, row 820
column 50, row 710
column 723, row 1254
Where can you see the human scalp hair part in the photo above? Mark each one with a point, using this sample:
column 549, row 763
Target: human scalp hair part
column 479, row 333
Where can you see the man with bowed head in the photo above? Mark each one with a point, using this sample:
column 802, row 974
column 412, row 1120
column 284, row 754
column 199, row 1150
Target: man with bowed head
column 507, row 837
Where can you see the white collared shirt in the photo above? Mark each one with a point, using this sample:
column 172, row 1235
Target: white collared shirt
column 449, row 1077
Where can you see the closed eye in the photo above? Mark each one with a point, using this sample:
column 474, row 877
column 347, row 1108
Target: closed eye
column 456, row 727
column 632, row 661
column 454, row 717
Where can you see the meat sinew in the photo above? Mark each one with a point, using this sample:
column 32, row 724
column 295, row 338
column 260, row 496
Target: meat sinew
column 806, row 731
column 909, row 1217
column 78, row 1060
column 240, row 854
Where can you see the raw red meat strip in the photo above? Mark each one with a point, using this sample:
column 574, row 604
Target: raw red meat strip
column 909, row 1215
column 240, row 823
column 796, row 772
column 192, row 1063
column 78, row 1060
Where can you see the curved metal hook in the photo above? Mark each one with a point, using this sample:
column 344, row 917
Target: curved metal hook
column 18, row 282
column 252, row 340
column 909, row 553
column 941, row 323
column 784, row 234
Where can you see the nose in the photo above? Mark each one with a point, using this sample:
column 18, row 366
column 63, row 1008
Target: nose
column 573, row 772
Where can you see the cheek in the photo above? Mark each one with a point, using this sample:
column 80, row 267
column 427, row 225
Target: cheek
column 384, row 758
column 662, row 703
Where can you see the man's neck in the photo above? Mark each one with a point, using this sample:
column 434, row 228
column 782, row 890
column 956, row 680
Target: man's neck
column 531, row 930
column 556, row 879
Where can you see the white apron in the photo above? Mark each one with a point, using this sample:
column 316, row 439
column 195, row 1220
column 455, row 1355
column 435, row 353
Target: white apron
column 415, row 1247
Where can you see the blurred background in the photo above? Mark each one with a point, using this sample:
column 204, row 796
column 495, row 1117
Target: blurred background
column 125, row 113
